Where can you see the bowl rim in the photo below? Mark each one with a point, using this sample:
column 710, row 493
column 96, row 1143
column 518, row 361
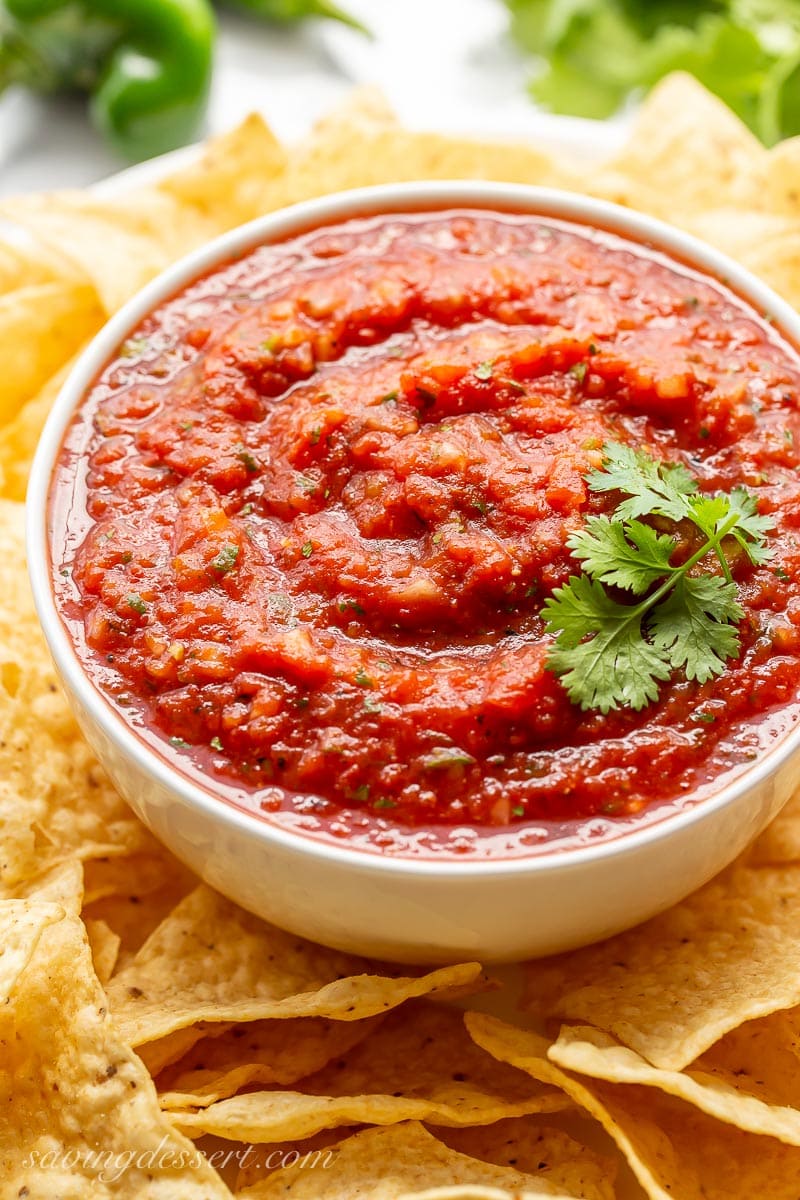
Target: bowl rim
column 652, row 233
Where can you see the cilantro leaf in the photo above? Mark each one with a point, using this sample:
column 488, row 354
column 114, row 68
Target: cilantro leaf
column 711, row 513
column 751, row 529
column 610, row 654
column 657, row 489
column 616, row 666
column 693, row 626
column 592, row 54
column 628, row 555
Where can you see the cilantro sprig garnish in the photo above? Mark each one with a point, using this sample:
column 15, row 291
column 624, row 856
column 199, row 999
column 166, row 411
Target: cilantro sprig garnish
column 610, row 654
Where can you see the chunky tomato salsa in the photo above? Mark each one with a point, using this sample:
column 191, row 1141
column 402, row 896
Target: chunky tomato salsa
column 305, row 523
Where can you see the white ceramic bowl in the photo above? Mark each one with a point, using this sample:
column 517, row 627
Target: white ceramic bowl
column 399, row 908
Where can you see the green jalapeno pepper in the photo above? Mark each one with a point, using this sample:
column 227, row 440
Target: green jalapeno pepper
column 146, row 63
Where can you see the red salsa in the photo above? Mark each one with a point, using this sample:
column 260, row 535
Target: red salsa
column 305, row 522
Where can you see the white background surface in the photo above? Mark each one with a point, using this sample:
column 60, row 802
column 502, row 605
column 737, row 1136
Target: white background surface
column 444, row 64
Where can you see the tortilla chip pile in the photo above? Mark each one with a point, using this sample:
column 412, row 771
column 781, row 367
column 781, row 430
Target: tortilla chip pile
column 145, row 1021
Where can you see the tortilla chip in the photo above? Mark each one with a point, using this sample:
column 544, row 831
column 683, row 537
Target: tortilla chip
column 672, row 987
column 766, row 244
column 761, row 1054
column 279, row 1052
column 400, row 156
column 420, row 1064
column 744, row 1080
column 263, row 1160
column 383, row 1164
column 776, row 261
column 360, row 144
column 133, row 917
column 165, row 1051
column 19, row 437
column 61, row 884
column 673, row 1148
column 133, row 894
column 137, row 874
column 226, row 182
column 541, row 1150
column 365, row 111
column 25, row 263
column 118, row 244
column 685, row 151
column 777, row 178
column 21, row 925
column 738, row 233
column 465, row 1191
column 41, row 326
column 55, row 801
column 212, row 961
column 780, row 841
column 78, row 1114
column 104, row 944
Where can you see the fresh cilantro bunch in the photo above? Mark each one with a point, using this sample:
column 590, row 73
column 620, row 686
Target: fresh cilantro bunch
column 610, row 654
column 595, row 52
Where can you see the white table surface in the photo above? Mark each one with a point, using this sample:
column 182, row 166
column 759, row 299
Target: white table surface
column 444, row 64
